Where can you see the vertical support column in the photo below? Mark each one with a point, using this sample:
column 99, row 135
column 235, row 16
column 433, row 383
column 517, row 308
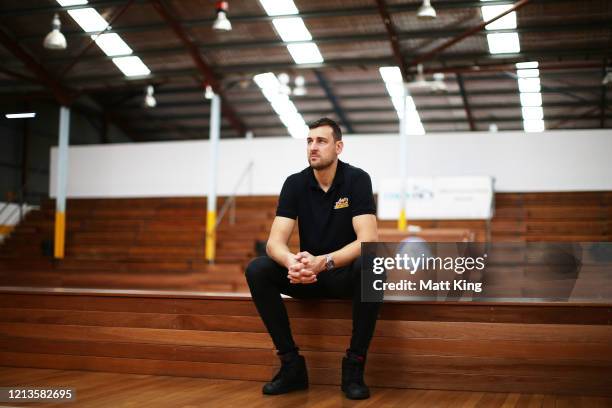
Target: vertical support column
column 62, row 182
column 403, row 159
column 249, row 138
column 211, row 201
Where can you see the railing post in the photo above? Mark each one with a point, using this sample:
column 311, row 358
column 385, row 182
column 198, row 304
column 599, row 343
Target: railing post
column 62, row 183
column 211, row 202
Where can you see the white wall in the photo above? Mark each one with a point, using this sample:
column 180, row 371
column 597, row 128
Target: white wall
column 565, row 160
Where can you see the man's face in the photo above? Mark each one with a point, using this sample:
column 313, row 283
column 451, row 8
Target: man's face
column 321, row 149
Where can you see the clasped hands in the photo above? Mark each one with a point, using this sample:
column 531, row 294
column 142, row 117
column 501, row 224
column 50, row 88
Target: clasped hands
column 304, row 267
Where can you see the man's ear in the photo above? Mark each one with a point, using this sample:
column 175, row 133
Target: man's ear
column 339, row 146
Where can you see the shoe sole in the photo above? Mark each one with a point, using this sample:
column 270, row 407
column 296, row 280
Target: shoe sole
column 297, row 388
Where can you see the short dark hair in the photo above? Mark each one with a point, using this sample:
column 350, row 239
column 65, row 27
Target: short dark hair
column 336, row 131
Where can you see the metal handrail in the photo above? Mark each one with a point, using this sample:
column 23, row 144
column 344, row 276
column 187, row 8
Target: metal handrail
column 231, row 200
column 13, row 200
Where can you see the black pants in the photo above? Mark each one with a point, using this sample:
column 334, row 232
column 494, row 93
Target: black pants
column 267, row 280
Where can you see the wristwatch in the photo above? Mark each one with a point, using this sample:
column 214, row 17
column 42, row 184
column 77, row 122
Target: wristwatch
column 329, row 262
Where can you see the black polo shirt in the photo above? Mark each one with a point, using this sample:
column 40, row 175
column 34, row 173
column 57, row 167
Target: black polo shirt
column 325, row 219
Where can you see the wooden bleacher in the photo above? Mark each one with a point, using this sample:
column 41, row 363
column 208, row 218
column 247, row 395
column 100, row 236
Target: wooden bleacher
column 158, row 243
column 138, row 244
column 510, row 347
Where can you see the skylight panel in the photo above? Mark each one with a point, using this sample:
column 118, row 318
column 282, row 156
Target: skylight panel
column 89, row 20
column 502, row 43
column 531, row 99
column 66, row 3
column 305, row 53
column 291, row 29
column 279, row 7
column 394, row 83
column 131, row 66
column 112, row 45
column 283, row 106
column 506, row 22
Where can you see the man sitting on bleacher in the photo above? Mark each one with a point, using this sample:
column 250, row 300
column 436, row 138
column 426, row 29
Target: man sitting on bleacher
column 335, row 207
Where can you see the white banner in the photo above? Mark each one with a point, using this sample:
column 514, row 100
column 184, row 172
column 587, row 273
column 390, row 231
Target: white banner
column 431, row 198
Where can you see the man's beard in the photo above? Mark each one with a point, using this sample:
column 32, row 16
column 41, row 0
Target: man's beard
column 322, row 165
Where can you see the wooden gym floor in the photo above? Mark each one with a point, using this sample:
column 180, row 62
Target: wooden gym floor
column 99, row 389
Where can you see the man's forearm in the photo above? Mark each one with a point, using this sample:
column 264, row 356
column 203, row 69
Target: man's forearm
column 278, row 252
column 347, row 253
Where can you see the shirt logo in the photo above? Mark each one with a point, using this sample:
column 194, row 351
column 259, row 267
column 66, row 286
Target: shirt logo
column 341, row 203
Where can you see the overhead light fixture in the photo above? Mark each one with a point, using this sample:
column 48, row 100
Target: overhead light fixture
column 426, row 11
column 149, row 100
column 208, row 92
column 300, row 86
column 284, row 79
column 438, row 85
column 131, row 66
column 419, row 79
column 23, row 115
column 55, row 40
column 221, row 22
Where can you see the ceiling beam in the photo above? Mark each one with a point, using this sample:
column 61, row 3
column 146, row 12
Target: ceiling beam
column 379, row 109
column 203, row 68
column 61, row 94
column 445, row 120
column 604, row 88
column 247, row 18
column 393, row 38
column 469, row 62
column 334, row 101
column 402, row 35
column 466, row 104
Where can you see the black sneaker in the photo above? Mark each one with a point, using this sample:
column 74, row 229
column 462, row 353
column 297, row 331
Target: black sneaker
column 352, row 378
column 292, row 376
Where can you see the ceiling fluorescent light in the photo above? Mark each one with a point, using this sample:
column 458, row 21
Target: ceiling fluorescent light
column 531, row 99
column 292, row 29
column 266, row 81
column 528, row 73
column 66, row 3
column 89, row 20
column 532, row 112
column 536, row 125
column 112, row 45
column 24, row 115
column 305, row 53
column 131, row 66
column 506, row 22
column 500, row 43
column 527, row 65
column 391, row 74
column 529, row 84
column 279, row 7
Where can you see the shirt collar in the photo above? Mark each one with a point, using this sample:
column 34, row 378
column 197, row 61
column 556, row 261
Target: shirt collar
column 338, row 177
